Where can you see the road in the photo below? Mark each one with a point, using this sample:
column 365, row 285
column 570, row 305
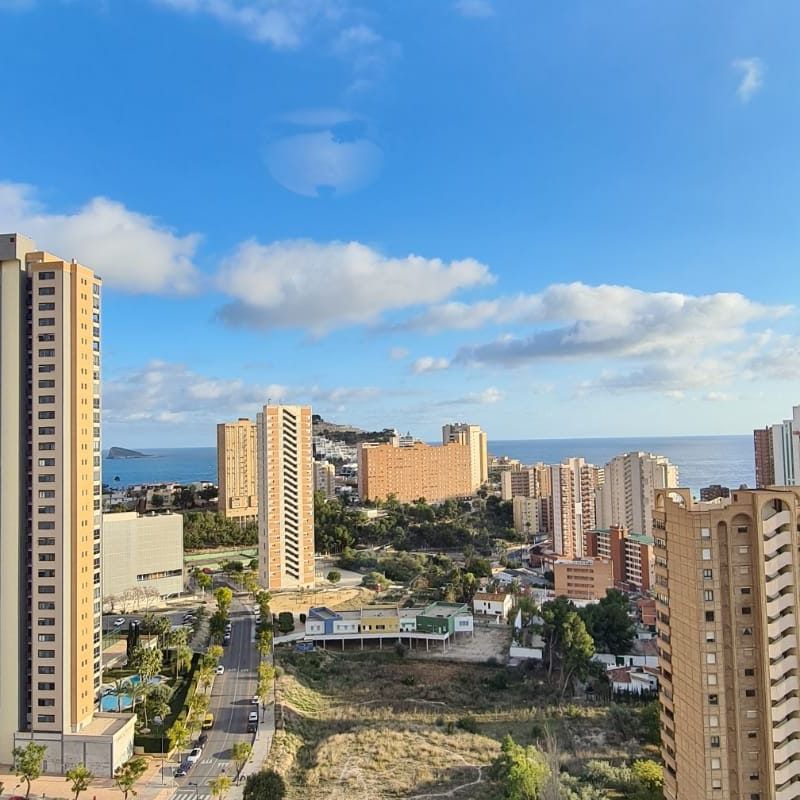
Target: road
column 231, row 702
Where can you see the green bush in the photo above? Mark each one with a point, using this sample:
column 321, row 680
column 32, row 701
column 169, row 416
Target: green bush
column 468, row 724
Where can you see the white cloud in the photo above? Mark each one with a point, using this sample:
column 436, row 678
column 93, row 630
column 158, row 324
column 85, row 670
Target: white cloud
column 474, row 8
column 162, row 391
column 398, row 353
column 129, row 250
column 320, row 287
column 488, row 396
column 580, row 321
column 752, row 76
column 283, row 25
column 429, row 364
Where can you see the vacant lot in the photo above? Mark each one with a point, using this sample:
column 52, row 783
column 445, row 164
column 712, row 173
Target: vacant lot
column 298, row 602
column 376, row 725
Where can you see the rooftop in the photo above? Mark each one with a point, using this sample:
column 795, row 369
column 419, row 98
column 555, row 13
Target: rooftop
column 445, row 610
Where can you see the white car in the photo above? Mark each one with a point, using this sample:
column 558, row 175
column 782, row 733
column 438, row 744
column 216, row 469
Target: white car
column 119, row 621
column 255, row 701
column 220, row 670
column 194, row 755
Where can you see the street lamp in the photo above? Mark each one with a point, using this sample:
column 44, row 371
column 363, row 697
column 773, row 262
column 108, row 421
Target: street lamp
column 158, row 720
column 196, row 789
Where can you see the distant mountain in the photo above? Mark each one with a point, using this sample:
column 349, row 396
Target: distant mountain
column 347, row 433
column 122, row 452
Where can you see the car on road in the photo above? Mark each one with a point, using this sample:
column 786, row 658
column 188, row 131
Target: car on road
column 220, row 670
column 255, row 701
column 226, row 640
column 182, row 770
column 252, row 716
column 194, row 755
column 258, row 619
column 208, row 722
column 119, row 621
column 202, row 739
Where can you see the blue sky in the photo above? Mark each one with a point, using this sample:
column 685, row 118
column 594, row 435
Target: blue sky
column 572, row 219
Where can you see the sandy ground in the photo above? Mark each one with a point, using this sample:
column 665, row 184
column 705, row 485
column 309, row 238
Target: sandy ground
column 299, row 602
column 488, row 642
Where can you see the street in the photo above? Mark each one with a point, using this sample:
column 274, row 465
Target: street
column 231, row 702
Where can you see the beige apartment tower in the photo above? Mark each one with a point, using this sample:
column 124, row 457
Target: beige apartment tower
column 728, row 611
column 237, row 470
column 286, row 497
column 50, row 512
column 474, row 438
column 414, row 471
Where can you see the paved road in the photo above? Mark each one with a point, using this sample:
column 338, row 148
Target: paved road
column 230, row 704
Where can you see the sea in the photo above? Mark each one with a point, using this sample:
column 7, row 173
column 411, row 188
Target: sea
column 701, row 460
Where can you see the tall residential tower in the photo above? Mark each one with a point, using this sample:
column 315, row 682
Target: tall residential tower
column 286, row 497
column 237, row 470
column 475, row 439
column 50, row 512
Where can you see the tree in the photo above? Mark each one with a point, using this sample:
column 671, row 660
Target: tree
column 334, row 576
column 126, row 775
column 240, row 752
column 220, row 785
column 650, row 776
column 80, row 778
column 183, row 658
column 285, row 621
column 28, row 762
column 265, row 785
column 523, row 771
column 264, row 642
column 577, row 650
column 147, row 661
column 224, row 598
column 179, row 735
column 203, row 580
column 609, row 624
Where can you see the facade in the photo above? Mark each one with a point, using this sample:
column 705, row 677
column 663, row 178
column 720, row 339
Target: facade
column 708, row 493
column 527, row 515
column 496, row 604
column 728, row 605
column 325, row 478
column 562, row 510
column 414, row 471
column 237, row 469
column 50, row 505
column 629, row 486
column 286, row 497
column 533, row 481
column 474, row 438
column 764, row 456
column 777, row 453
column 632, row 555
column 584, row 578
column 143, row 551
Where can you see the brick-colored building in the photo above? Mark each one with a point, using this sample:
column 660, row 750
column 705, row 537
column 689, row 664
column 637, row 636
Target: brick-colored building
column 631, row 554
column 584, row 578
column 237, row 469
column 413, row 472
column 764, row 457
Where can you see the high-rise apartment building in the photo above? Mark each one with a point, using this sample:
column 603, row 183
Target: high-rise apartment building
column 777, row 452
column 728, row 613
column 474, row 438
column 325, row 478
column 533, row 481
column 237, row 469
column 764, row 457
column 632, row 555
column 50, row 513
column 286, row 497
column 414, row 472
column 573, row 486
column 629, row 485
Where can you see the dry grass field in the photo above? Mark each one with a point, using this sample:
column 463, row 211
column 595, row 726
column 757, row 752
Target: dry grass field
column 378, row 726
column 298, row 602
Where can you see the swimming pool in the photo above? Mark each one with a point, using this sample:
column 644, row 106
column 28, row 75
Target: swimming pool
column 123, row 702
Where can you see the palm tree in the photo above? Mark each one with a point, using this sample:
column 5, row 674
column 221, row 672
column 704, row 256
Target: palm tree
column 183, row 658
column 120, row 688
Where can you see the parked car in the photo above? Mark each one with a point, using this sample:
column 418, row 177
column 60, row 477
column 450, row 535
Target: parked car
column 208, row 723
column 255, row 701
column 182, row 770
column 220, row 670
column 252, row 716
column 194, row 755
column 119, row 621
column 202, row 738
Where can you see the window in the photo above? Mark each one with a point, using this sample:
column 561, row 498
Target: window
column 753, row 776
column 47, row 590
column 47, row 414
column 48, row 383
column 712, row 679
column 47, row 337
column 746, row 610
column 47, row 322
column 47, row 276
column 45, row 541
column 47, row 573
column 47, row 462
column 46, row 701
column 47, row 430
column 711, row 658
column 708, row 574
column 46, row 717
column 705, row 533
column 708, row 595
column 710, row 636
column 713, row 721
column 47, row 477
column 46, row 687
column 747, row 631
column 46, row 670
column 47, row 557
column 46, row 509
column 47, row 290
column 752, row 734
column 47, row 306
column 47, row 367
column 46, row 653
column 716, row 783
column 47, row 399
column 749, row 692
column 709, row 616
column 716, row 763
column 706, row 554
column 47, row 494
column 715, row 741
column 743, row 549
column 749, row 672
column 713, row 699
column 745, row 590
column 46, row 637
column 46, row 525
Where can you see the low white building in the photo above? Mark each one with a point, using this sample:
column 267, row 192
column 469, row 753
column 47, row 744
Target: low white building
column 142, row 551
column 633, row 680
column 497, row 604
